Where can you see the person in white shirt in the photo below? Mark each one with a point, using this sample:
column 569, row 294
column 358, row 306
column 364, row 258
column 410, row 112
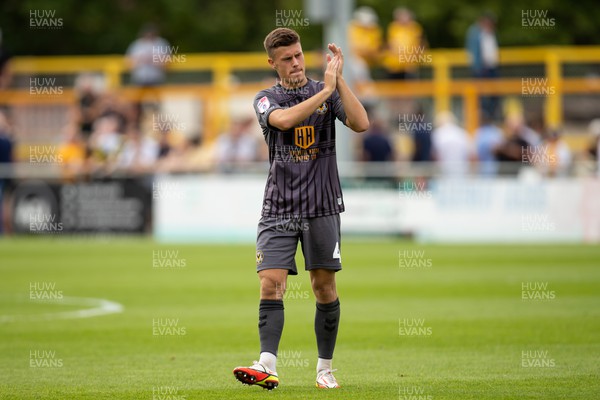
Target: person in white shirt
column 451, row 147
column 238, row 147
column 138, row 154
column 147, row 57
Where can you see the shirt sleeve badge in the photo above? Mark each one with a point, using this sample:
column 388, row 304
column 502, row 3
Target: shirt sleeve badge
column 263, row 104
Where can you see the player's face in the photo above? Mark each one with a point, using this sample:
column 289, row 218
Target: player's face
column 288, row 61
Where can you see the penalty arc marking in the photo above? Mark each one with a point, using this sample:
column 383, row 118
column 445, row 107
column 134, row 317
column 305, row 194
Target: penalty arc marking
column 94, row 308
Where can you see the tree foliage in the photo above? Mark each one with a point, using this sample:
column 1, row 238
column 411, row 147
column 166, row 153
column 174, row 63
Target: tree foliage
column 108, row 26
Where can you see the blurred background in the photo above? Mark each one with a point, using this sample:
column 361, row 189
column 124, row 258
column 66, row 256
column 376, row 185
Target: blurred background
column 129, row 117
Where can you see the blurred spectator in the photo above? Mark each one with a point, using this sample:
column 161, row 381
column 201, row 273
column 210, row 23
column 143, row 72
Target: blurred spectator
column 488, row 138
column 165, row 143
column 146, row 57
column 110, row 105
column 72, row 153
column 482, row 46
column 238, row 147
column 376, row 146
column 6, row 143
column 518, row 144
column 199, row 158
column 594, row 147
column 6, row 159
column 534, row 132
column 366, row 41
column 421, row 136
column 553, row 155
column 405, row 45
column 5, row 73
column 451, row 147
column 174, row 151
column 138, row 154
column 106, row 139
column 87, row 100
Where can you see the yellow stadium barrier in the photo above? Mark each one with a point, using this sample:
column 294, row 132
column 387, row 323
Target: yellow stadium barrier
column 221, row 65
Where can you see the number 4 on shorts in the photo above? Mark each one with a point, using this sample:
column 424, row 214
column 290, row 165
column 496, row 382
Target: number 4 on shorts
column 336, row 251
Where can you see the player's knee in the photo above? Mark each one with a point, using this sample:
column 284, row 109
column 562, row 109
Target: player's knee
column 324, row 291
column 271, row 288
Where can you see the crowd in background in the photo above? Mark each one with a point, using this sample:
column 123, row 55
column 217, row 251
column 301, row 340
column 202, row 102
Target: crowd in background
column 504, row 136
column 494, row 149
column 107, row 134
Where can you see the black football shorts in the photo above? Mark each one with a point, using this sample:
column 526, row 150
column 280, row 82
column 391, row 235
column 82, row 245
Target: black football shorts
column 277, row 241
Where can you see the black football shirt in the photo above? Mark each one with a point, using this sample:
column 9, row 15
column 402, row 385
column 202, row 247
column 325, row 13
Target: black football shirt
column 303, row 178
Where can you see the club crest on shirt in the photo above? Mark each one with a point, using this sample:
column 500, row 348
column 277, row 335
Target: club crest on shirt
column 304, row 136
column 263, row 104
column 323, row 108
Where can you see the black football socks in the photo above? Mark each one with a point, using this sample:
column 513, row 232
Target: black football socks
column 327, row 318
column 270, row 325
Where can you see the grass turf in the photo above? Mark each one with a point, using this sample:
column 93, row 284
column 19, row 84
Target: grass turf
column 475, row 325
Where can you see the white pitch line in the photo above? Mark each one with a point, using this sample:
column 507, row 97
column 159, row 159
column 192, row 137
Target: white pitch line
column 98, row 307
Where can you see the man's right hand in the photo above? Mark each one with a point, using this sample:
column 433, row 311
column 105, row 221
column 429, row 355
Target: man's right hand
column 330, row 78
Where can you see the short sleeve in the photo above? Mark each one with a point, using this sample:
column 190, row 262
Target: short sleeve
column 338, row 107
column 264, row 104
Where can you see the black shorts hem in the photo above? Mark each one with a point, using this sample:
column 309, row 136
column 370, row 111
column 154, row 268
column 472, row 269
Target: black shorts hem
column 290, row 268
column 336, row 267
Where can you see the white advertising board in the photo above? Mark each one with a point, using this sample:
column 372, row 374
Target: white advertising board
column 225, row 208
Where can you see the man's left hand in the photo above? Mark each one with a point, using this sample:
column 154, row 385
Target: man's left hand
column 336, row 51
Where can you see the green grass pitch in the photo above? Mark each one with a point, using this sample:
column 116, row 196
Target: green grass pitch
column 455, row 327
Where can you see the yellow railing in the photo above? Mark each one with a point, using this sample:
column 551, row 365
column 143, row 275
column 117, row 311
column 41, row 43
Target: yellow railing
column 221, row 65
